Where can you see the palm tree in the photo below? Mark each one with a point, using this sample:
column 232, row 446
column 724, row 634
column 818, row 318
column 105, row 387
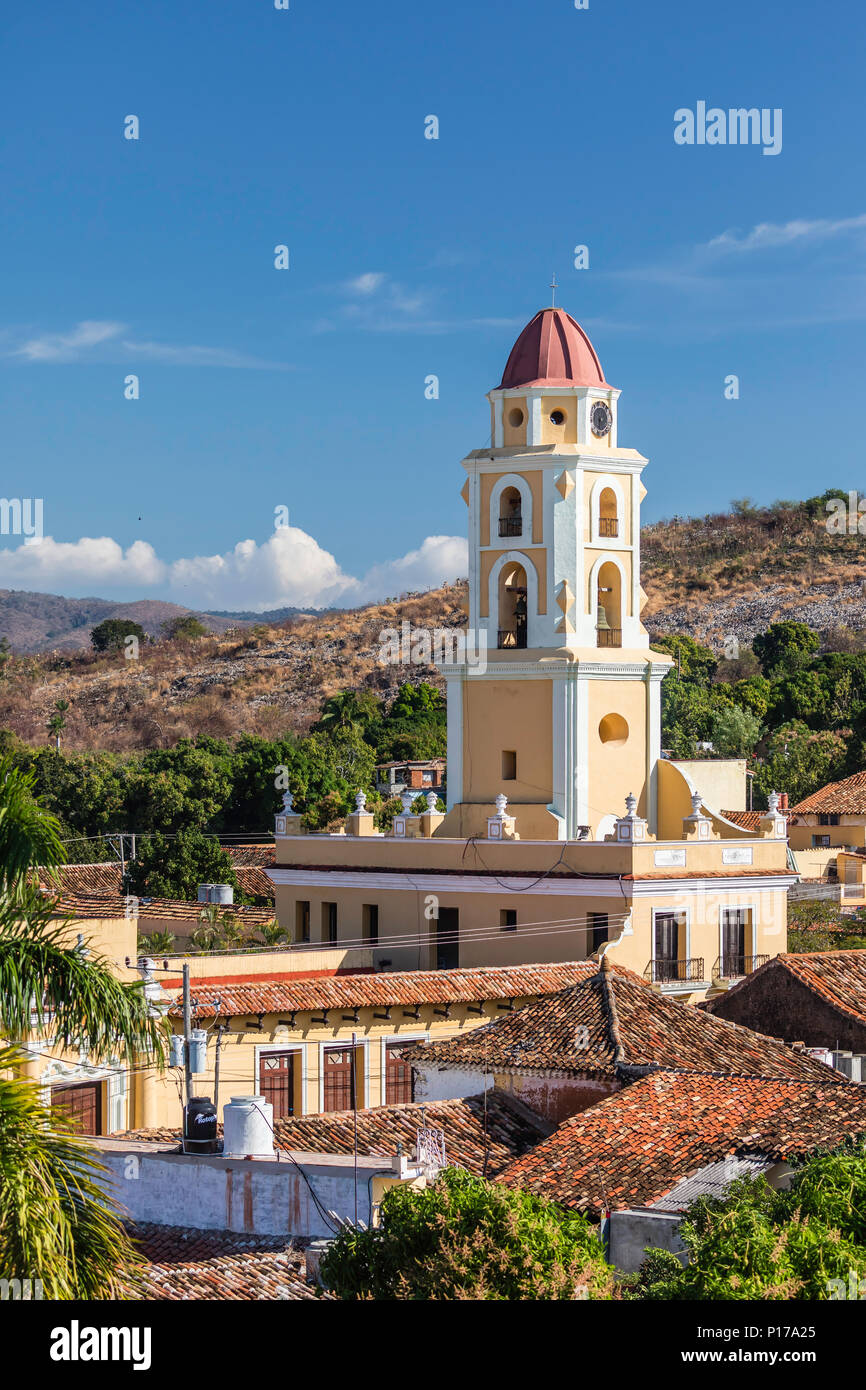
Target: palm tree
column 57, row 721
column 272, row 934
column 344, row 709
column 159, row 943
column 55, row 1223
column 233, row 932
column 29, row 834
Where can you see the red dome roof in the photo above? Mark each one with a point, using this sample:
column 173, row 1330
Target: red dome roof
column 552, row 350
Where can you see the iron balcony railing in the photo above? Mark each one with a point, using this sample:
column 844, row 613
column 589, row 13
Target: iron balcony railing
column 511, row 526
column 607, row 526
column 609, row 636
column 512, row 637
column 732, row 965
column 675, row 972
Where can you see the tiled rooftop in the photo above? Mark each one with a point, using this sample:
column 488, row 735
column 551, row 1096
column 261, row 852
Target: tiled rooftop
column 847, row 797
column 633, row 1147
column 391, row 988
column 837, row 977
column 611, row 1021
column 161, row 909
column 480, row 1136
column 182, row 1263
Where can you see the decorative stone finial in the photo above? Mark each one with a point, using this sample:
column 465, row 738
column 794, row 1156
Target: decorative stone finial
column 501, row 803
column 773, row 802
column 431, row 803
column 406, row 799
column 630, row 805
column 360, row 803
column 288, row 803
column 696, row 803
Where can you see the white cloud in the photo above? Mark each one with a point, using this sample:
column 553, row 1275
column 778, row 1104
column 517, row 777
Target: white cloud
column 81, row 564
column 367, row 283
column 95, row 340
column 289, row 569
column 66, row 347
column 768, row 235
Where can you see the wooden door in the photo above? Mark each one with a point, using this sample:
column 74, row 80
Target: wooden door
column 448, row 939
column 277, row 1081
column 80, row 1104
column 339, row 1087
column 399, row 1076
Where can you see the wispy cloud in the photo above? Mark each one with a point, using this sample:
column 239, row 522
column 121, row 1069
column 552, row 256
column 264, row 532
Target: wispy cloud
column 100, row 340
column 771, row 235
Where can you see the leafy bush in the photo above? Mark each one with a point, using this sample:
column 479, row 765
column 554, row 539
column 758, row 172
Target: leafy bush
column 111, row 635
column 464, row 1238
column 174, row 868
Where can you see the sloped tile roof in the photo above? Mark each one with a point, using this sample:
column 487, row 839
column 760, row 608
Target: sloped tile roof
column 612, row 1021
column 633, row 1147
column 837, row 977
column 396, row 987
column 162, row 909
column 85, row 879
column 847, row 797
column 182, row 1263
column 482, row 1137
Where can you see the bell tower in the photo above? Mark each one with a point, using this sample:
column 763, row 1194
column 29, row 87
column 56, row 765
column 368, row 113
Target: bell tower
column 564, row 719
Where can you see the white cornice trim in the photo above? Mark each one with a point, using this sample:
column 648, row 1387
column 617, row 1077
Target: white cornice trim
column 395, row 881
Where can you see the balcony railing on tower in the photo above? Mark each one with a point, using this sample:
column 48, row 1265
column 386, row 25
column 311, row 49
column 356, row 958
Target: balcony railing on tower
column 609, row 636
column 511, row 525
column 607, row 526
column 511, row 637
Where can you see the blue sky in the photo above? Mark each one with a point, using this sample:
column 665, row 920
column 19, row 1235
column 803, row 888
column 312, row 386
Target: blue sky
column 305, row 388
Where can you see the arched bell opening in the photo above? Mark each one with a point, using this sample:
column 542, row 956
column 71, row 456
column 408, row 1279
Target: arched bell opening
column 510, row 512
column 512, row 606
column 609, row 619
column 608, row 521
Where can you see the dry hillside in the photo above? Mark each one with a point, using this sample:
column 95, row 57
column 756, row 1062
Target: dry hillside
column 711, row 577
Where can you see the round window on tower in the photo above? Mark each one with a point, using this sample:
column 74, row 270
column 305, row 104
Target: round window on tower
column 613, row 729
column 515, row 418
column 557, row 417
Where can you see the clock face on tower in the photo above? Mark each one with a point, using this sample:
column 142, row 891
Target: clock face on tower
column 600, row 419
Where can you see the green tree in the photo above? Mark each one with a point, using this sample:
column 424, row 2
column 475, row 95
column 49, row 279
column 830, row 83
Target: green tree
column 785, row 647
column 174, row 868
column 111, row 634
column 347, row 710
column 184, row 628
column 465, row 1238
column 734, row 732
column 800, row 761
column 158, row 943
column 56, row 1225
column 693, row 662
column 756, row 1243
column 57, row 721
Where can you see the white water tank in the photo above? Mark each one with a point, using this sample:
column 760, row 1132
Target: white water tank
column 248, row 1127
column 221, row 893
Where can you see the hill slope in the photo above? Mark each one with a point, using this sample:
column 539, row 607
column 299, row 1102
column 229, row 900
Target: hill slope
column 710, row 577
column 33, row 622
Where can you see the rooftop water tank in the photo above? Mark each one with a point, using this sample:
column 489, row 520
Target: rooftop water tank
column 248, row 1127
column 221, row 893
column 200, row 1126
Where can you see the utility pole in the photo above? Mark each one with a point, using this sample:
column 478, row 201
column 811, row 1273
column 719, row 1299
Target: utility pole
column 216, row 1070
column 187, row 1027
column 355, row 1117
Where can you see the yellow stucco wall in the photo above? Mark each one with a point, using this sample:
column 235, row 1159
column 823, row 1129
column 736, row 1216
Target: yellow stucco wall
column 565, row 433
column 508, row 715
column 615, row 769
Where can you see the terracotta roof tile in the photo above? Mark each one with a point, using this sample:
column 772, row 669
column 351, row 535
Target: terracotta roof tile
column 162, row 909
column 837, row 977
column 612, row 1021
column 392, row 987
column 182, row 1263
column 633, row 1147
column 847, row 797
